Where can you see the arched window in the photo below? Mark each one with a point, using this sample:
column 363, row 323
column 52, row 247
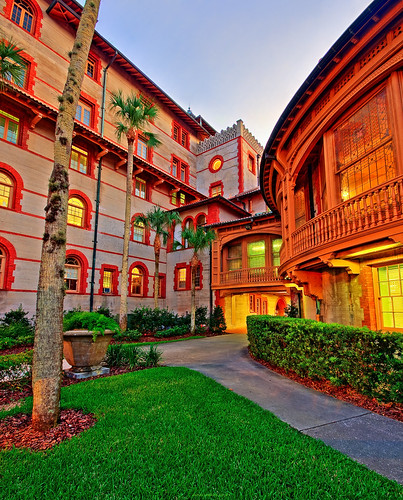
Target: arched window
column 72, row 275
column 137, row 281
column 76, row 212
column 6, row 190
column 139, row 232
column 188, row 224
column 201, row 220
column 2, row 267
column 22, row 14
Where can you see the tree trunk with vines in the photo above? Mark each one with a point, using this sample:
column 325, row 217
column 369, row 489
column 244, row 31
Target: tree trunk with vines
column 48, row 347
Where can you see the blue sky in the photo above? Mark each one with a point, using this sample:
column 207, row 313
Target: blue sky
column 228, row 59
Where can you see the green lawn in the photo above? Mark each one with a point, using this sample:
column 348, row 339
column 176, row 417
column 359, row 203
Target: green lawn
column 168, row 433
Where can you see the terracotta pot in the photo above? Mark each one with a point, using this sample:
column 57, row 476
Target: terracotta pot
column 81, row 352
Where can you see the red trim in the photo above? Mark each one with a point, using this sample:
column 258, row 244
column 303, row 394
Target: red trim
column 144, row 268
column 199, row 215
column 37, row 14
column 18, row 186
column 213, row 214
column 84, row 270
column 88, row 210
column 9, row 267
column 181, row 131
column 181, row 164
column 93, row 103
column 146, row 232
column 210, row 165
column 163, row 285
column 97, row 67
column 201, row 276
column 251, row 157
column 22, row 139
column 215, row 184
column 240, row 166
column 115, row 281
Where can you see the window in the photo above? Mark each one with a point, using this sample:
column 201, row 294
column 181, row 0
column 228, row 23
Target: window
column 182, row 278
column 84, row 113
column 22, row 80
column 188, row 224
column 178, row 198
column 275, row 247
column 251, row 303
column 76, row 212
column 198, row 277
column 109, row 280
column 201, row 220
column 136, row 281
column 256, row 254
column 234, row 259
column 251, row 164
column 6, row 190
column 9, row 127
column 162, row 286
column 140, row 188
column 79, row 160
column 180, row 169
column 180, row 135
column 139, row 232
column 2, row 268
column 22, row 15
column 216, row 189
column 142, row 149
column 72, row 272
column 90, row 69
column 390, row 289
column 364, row 154
column 216, row 163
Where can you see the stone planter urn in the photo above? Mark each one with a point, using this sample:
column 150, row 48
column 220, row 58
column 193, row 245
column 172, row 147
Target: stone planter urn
column 85, row 354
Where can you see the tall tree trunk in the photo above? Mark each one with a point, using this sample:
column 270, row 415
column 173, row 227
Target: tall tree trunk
column 126, row 234
column 48, row 348
column 157, row 251
column 193, row 266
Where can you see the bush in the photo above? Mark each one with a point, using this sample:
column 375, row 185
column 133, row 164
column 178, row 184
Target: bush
column 16, row 366
column 105, row 311
column 370, row 362
column 148, row 320
column 132, row 355
column 128, row 335
column 175, row 331
column 92, row 321
column 217, row 320
column 16, row 329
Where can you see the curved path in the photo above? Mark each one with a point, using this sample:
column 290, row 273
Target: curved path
column 369, row 438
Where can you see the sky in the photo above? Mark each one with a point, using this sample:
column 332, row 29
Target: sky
column 228, row 59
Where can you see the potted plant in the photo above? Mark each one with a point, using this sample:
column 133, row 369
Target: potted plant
column 85, row 340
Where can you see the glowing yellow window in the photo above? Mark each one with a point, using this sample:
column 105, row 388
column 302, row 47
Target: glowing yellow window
column 8, row 127
column 390, row 283
column 6, row 190
column 76, row 212
column 182, row 278
column 256, row 254
column 138, row 232
column 136, row 281
column 79, row 160
column 107, row 282
column 140, row 188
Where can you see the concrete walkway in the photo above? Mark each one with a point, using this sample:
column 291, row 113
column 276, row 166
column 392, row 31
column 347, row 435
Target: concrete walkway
column 366, row 437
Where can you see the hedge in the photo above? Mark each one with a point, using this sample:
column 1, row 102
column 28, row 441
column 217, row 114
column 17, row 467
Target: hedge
column 370, row 362
column 16, row 365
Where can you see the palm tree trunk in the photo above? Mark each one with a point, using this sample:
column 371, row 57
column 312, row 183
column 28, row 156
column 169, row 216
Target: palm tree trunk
column 157, row 250
column 48, row 348
column 126, row 235
column 193, row 266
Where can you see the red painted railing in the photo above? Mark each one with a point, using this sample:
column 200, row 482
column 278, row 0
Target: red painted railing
column 366, row 211
column 250, row 275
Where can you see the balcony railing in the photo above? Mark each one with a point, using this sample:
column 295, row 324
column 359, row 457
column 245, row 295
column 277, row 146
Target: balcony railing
column 367, row 211
column 250, row 275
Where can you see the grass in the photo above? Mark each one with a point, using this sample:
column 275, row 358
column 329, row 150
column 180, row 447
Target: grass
column 173, row 340
column 172, row 433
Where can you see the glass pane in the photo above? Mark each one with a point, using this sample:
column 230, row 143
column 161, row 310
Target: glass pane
column 399, row 320
column 395, row 287
column 393, row 272
column 2, row 126
column 5, row 192
column 388, row 320
column 12, row 132
column 386, row 303
column 383, row 289
column 382, row 273
column 235, row 251
column 87, row 117
column 398, row 304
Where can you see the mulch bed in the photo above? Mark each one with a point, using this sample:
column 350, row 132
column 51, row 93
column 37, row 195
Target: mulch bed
column 344, row 393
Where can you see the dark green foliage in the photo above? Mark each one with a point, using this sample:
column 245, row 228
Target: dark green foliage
column 217, row 320
column 105, row 311
column 201, row 316
column 175, row 331
column 16, row 329
column 132, row 355
column 16, row 366
column 370, row 362
column 92, row 321
column 291, row 311
column 128, row 335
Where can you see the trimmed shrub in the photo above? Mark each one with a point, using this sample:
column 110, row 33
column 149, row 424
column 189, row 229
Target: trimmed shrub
column 16, row 329
column 132, row 355
column 217, row 320
column 128, row 335
column 370, row 362
column 175, row 331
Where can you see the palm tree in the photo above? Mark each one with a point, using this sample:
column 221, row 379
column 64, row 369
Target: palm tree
column 12, row 65
column 199, row 239
column 133, row 116
column 48, row 348
column 161, row 222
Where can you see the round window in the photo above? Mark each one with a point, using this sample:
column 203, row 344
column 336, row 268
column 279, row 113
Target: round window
column 216, row 163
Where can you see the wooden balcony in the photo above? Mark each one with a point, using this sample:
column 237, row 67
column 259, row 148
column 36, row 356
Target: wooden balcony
column 250, row 276
column 371, row 210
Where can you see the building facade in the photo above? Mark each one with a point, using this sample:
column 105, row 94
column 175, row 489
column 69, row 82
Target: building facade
column 333, row 171
column 210, row 178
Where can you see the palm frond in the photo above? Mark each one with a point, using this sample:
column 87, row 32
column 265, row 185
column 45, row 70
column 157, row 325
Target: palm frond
column 12, row 64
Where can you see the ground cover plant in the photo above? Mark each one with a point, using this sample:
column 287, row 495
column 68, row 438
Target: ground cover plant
column 370, row 362
column 174, row 433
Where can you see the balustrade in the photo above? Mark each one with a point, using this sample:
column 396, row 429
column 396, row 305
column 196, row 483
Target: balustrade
column 250, row 275
column 366, row 211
